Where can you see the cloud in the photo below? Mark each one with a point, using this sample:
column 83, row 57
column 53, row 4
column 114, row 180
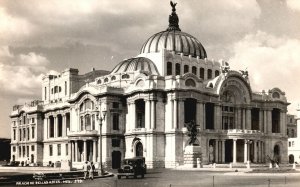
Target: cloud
column 21, row 75
column 293, row 4
column 271, row 62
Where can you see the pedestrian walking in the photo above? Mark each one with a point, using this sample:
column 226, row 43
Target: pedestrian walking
column 85, row 170
column 91, row 171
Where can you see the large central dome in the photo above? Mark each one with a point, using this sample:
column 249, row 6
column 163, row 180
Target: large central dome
column 173, row 39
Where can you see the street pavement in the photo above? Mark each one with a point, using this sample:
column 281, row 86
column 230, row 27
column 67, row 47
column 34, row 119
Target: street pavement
column 195, row 178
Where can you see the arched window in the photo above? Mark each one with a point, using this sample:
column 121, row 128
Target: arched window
column 276, row 95
column 190, row 82
column 169, row 68
column 99, row 81
column 209, row 74
column 194, row 70
column 185, row 68
column 202, row 73
column 106, row 79
column 217, row 73
column 292, row 133
column 113, row 78
column 81, row 123
column 177, row 69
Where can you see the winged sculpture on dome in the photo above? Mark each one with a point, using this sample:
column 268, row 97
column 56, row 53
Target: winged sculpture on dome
column 173, row 5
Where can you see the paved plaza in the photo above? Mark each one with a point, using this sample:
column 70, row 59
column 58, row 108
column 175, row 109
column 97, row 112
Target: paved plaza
column 192, row 178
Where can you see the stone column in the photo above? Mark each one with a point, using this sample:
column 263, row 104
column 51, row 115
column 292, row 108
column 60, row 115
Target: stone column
column 175, row 122
column 133, row 115
column 147, row 114
column 76, row 151
column 239, row 119
column 234, row 150
column 70, row 150
column 261, row 114
column 204, row 116
column 255, row 151
column 245, row 151
column 94, row 151
column 248, row 118
column 259, row 152
column 244, row 119
column 223, row 151
column 265, row 122
column 153, row 114
column 199, row 114
column 180, row 114
column 84, row 151
column 282, row 124
column 73, row 151
column 64, row 125
column 217, row 151
column 269, row 119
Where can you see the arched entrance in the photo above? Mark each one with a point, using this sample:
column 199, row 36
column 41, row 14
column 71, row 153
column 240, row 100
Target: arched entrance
column 276, row 153
column 139, row 149
column 116, row 159
column 291, row 159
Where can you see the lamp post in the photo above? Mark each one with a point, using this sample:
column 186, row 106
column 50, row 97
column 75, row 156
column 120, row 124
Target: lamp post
column 100, row 119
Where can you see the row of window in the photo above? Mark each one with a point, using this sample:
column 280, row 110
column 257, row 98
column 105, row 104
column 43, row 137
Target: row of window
column 291, row 133
column 124, row 76
column 58, row 149
column 24, row 134
column 194, row 70
column 24, row 150
column 291, row 143
column 54, row 90
column 24, row 120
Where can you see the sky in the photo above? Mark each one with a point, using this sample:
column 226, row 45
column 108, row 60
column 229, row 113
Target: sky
column 42, row 36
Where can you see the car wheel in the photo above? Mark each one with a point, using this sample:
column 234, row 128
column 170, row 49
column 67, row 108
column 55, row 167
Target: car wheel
column 119, row 176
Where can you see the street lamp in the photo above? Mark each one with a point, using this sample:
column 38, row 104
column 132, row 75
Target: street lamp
column 100, row 119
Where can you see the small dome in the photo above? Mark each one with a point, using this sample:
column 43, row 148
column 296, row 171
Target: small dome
column 174, row 40
column 136, row 64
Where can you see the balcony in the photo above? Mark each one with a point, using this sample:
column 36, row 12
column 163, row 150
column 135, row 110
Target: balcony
column 234, row 131
column 82, row 133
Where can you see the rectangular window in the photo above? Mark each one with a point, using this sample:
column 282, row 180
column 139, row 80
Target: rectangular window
column 115, row 142
column 50, row 150
column 24, row 134
column 289, row 144
column 27, row 151
column 115, row 121
column 14, row 149
column 28, row 134
column 20, row 134
column 20, row 150
column 65, row 87
column 58, row 149
column 115, row 105
column 45, row 93
column 32, row 148
column 32, row 132
column 67, row 149
column 14, row 134
column 32, row 120
column 24, row 150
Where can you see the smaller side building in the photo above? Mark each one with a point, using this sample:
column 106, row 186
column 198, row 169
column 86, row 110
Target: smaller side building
column 293, row 132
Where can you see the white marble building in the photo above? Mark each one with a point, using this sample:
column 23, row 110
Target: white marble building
column 294, row 138
column 148, row 99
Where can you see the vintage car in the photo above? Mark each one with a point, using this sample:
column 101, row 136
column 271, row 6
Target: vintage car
column 133, row 167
